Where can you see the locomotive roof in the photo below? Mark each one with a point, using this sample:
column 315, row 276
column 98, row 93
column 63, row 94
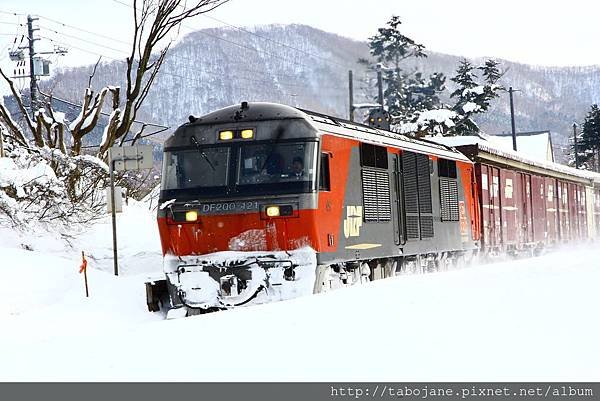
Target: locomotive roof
column 480, row 149
column 350, row 129
column 254, row 111
column 260, row 111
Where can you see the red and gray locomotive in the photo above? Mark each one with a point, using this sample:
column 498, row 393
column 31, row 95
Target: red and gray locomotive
column 262, row 202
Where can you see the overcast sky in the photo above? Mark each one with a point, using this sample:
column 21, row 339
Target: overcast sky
column 529, row 31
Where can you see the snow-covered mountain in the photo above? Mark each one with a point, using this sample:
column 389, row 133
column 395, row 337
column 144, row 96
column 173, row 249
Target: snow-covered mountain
column 307, row 67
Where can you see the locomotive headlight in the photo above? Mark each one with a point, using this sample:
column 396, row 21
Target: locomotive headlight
column 247, row 134
column 225, row 135
column 272, row 211
column 191, row 215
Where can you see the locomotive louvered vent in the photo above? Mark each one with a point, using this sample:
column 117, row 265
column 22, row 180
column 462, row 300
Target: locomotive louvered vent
column 409, row 174
column 416, row 182
column 426, row 226
column 449, row 199
column 424, row 183
column 376, row 195
column 412, row 227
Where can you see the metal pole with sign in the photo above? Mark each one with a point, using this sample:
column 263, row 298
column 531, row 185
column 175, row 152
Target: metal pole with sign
column 122, row 158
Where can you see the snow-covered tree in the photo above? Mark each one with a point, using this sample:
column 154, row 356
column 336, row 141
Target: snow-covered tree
column 589, row 144
column 406, row 94
column 474, row 94
column 74, row 182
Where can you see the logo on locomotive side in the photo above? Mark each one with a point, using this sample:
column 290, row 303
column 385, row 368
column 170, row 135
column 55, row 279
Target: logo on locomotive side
column 353, row 221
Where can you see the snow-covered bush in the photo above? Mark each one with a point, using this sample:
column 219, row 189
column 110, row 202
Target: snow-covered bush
column 43, row 185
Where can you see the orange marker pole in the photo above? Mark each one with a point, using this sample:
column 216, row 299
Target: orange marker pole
column 83, row 269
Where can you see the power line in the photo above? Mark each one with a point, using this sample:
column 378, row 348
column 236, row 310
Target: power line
column 179, row 56
column 124, row 53
column 11, row 13
column 84, row 30
column 79, row 48
column 81, row 39
column 218, row 74
column 11, row 23
column 203, row 32
column 273, row 41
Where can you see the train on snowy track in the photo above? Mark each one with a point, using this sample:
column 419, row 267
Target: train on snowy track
column 262, row 202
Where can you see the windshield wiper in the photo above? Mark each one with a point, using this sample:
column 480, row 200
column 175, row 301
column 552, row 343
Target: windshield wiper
column 195, row 142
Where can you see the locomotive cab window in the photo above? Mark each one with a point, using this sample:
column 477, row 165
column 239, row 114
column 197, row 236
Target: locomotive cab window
column 193, row 168
column 274, row 163
column 324, row 183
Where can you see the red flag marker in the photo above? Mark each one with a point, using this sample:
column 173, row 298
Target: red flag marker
column 83, row 269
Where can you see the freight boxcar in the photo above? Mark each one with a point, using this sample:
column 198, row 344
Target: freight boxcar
column 528, row 205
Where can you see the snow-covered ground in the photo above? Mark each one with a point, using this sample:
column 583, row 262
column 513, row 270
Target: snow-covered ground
column 527, row 320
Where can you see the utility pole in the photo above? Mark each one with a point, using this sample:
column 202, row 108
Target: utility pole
column 575, row 145
column 351, row 95
column 512, row 118
column 33, row 81
column 380, row 85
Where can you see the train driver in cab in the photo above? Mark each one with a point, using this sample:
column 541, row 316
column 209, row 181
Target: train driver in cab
column 297, row 168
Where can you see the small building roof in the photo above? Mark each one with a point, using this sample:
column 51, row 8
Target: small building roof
column 534, row 144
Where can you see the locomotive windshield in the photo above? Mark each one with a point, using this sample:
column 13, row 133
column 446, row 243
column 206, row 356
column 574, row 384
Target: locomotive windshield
column 240, row 169
column 196, row 168
column 285, row 162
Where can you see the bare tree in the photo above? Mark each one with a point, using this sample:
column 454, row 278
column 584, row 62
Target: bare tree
column 153, row 21
column 75, row 195
column 152, row 24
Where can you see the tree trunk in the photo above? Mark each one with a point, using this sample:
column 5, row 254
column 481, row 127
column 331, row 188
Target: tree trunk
column 1, row 142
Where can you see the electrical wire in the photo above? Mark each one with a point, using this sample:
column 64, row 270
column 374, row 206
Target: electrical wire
column 81, row 39
column 83, row 30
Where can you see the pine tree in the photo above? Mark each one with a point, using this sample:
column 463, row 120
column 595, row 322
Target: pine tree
column 466, row 96
column 473, row 97
column 491, row 71
column 589, row 146
column 405, row 95
column 390, row 45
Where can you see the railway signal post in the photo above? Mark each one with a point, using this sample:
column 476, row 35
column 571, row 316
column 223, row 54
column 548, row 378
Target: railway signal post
column 122, row 158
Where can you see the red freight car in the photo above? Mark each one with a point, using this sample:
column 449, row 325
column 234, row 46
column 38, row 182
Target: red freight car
column 525, row 204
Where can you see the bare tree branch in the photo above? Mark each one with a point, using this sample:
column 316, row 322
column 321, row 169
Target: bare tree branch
column 19, row 101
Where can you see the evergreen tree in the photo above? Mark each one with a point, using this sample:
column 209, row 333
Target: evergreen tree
column 405, row 94
column 391, row 46
column 589, row 146
column 471, row 96
column 491, row 71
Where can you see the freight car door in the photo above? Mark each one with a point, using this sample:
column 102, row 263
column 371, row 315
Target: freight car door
column 527, row 210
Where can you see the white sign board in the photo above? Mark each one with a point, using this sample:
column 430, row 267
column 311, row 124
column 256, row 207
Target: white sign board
column 118, row 200
column 136, row 157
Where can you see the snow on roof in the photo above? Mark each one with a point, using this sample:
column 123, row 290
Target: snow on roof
column 350, row 129
column 439, row 115
column 538, row 145
column 489, row 144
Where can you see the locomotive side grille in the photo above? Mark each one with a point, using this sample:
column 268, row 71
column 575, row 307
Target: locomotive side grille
column 416, row 169
column 424, row 183
column 376, row 195
column 384, row 207
column 412, row 227
column 369, row 183
column 409, row 175
column 426, row 226
column 449, row 200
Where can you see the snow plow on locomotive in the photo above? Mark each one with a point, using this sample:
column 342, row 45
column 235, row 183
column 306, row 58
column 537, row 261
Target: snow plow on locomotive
column 264, row 202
